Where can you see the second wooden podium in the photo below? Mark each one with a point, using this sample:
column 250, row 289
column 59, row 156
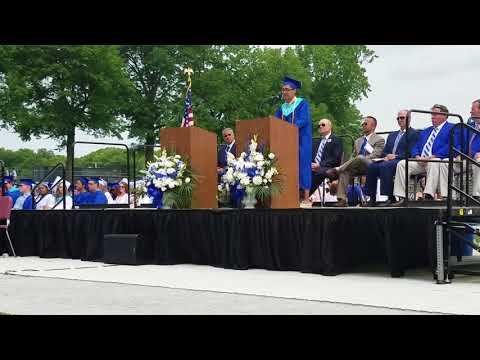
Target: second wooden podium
column 199, row 146
column 282, row 140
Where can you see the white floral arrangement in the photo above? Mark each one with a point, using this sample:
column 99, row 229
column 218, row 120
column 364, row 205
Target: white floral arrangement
column 169, row 181
column 253, row 173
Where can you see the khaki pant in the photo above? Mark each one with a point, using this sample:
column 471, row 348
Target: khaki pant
column 353, row 167
column 437, row 176
column 476, row 180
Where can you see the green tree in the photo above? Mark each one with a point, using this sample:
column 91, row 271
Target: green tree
column 338, row 80
column 54, row 90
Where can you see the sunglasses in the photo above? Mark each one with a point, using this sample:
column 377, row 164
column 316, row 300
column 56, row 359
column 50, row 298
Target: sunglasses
column 322, row 124
column 227, row 135
column 286, row 89
column 364, row 124
column 401, row 118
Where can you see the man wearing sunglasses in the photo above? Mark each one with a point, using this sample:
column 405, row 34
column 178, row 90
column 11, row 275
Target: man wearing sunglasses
column 367, row 147
column 228, row 147
column 385, row 168
column 431, row 145
column 327, row 153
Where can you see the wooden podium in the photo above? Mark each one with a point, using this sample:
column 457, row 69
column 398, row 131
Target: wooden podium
column 199, row 146
column 282, row 139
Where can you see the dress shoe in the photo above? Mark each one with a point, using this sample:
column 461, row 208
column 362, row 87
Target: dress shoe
column 387, row 203
column 370, row 203
column 399, row 203
column 427, row 197
column 332, row 173
column 341, row 203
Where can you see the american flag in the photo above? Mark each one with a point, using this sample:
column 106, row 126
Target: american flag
column 187, row 120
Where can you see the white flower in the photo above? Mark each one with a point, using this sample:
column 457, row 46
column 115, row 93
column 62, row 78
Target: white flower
column 163, row 189
column 268, row 174
column 242, row 155
column 171, row 185
column 220, row 187
column 170, row 171
column 271, row 156
column 265, row 181
column 187, row 180
column 260, row 164
column 257, row 180
column 258, row 157
column 245, row 181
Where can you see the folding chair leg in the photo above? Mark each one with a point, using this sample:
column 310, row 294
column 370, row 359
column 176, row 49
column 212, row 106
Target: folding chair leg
column 10, row 242
column 323, row 193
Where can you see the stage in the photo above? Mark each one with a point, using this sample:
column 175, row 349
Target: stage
column 325, row 241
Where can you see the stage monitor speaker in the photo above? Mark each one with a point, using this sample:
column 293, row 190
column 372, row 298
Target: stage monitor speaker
column 123, row 249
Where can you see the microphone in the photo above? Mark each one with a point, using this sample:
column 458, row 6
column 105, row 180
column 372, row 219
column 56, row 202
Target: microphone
column 277, row 97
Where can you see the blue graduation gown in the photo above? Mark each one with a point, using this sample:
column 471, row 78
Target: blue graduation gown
column 81, row 198
column 14, row 194
column 27, row 204
column 98, row 197
column 303, row 121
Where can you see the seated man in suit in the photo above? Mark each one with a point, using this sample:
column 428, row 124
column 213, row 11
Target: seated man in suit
column 327, row 153
column 393, row 152
column 431, row 145
column 367, row 147
column 228, row 147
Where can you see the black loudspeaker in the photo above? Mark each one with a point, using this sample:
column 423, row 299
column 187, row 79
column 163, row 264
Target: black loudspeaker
column 123, row 249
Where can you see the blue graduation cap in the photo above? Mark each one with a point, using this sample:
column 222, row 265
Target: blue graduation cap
column 94, row 179
column 28, row 182
column 112, row 185
column 294, row 84
column 83, row 180
column 8, row 179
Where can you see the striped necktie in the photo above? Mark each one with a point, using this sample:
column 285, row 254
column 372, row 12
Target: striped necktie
column 397, row 141
column 427, row 149
column 318, row 158
column 362, row 148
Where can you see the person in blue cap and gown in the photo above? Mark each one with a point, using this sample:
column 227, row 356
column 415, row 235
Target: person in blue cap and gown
column 10, row 190
column 81, row 191
column 25, row 200
column 295, row 110
column 95, row 196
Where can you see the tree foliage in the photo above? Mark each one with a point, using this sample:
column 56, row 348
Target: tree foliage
column 104, row 90
column 54, row 90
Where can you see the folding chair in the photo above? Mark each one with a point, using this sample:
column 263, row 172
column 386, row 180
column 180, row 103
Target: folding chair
column 5, row 210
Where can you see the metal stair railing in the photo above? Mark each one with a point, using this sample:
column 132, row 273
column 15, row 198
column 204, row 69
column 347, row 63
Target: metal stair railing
column 51, row 171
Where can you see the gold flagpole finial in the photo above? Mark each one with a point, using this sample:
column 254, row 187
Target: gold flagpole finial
column 189, row 72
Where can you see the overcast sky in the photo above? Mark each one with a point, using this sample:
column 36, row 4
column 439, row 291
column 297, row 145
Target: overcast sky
column 402, row 77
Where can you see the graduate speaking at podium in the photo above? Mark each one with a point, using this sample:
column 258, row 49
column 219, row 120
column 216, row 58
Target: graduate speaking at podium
column 296, row 111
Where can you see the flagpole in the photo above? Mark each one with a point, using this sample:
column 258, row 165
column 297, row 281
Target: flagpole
column 189, row 72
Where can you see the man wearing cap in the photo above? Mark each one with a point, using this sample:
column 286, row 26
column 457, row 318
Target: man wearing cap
column 25, row 201
column 81, row 191
column 11, row 191
column 296, row 111
column 432, row 144
column 44, row 200
column 95, row 196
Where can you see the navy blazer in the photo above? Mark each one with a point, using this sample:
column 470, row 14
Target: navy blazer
column 402, row 144
column 222, row 154
column 332, row 152
column 440, row 146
